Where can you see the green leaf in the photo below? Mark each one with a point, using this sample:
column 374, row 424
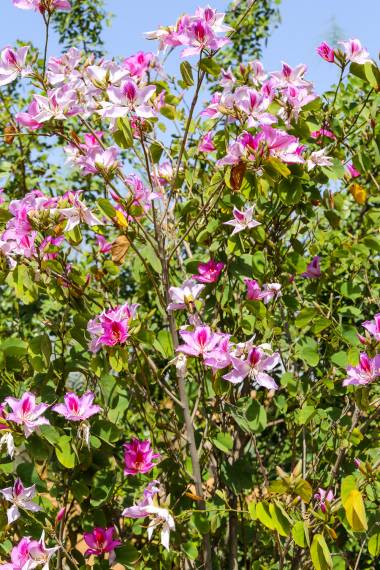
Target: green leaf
column 51, row 434
column 320, row 554
column 5, row 215
column 126, row 134
column 280, row 519
column 14, row 347
column 210, row 66
column 127, row 554
column 305, row 317
column 374, row 544
column 187, row 73
column 64, row 452
column 224, row 442
column 256, row 416
column 106, row 208
column 304, row 490
column 190, row 550
column 264, row 516
column 299, row 533
column 274, row 166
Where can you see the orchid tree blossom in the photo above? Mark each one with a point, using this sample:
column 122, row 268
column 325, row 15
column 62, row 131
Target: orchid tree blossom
column 326, row 52
column 184, row 296
column 111, row 327
column 271, row 291
column 42, row 5
column 21, row 498
column 77, row 408
column 373, row 327
column 78, row 213
column 100, row 541
column 352, row 171
column 318, row 158
column 206, row 144
column 27, row 413
column 19, row 556
column 159, row 516
column 313, row 270
column 355, row 52
column 324, row 498
column 366, row 372
column 12, row 64
column 199, row 342
column 39, row 554
column 209, row 272
column 128, row 98
column 243, row 220
column 255, row 367
column 138, row 457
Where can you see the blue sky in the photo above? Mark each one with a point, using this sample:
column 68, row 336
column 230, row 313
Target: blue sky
column 304, row 24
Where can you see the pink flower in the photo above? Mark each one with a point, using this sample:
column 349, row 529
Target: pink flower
column 206, row 144
column 220, row 357
column 199, row 342
column 280, row 144
column 12, row 63
column 209, row 272
column 373, row 327
column 159, row 516
column 21, row 498
column 254, row 105
column 351, row 170
column 39, row 554
column 184, row 296
column 138, row 456
column 323, row 132
column 254, row 367
column 27, row 118
column 290, row 76
column 254, row 292
column 111, row 327
column 355, row 52
column 324, row 497
column 77, row 408
column 128, row 98
column 19, row 556
column 326, row 52
column 103, row 244
column 76, row 214
column 139, row 63
column 40, row 5
column 27, row 413
column 365, row 372
column 100, row 541
column 313, row 270
column 243, row 220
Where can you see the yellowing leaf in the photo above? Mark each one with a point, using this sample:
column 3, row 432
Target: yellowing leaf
column 121, row 219
column 359, row 193
column 355, row 511
column 320, row 554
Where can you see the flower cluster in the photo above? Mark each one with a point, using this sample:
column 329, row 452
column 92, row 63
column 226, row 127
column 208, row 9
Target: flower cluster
column 111, row 327
column 368, row 369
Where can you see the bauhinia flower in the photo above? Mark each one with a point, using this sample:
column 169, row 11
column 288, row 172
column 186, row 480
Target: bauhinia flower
column 12, row 63
column 255, row 293
column 354, row 51
column 318, row 158
column 100, row 541
column 209, row 272
column 199, row 342
column 27, row 413
column 111, row 327
column 326, row 52
column 184, row 296
column 324, row 498
column 206, row 144
column 351, row 170
column 138, row 457
column 77, row 408
column 159, row 516
column 19, row 556
column 39, row 555
column 243, row 220
column 78, row 213
column 373, row 327
column 21, row 498
column 255, row 367
column 42, row 5
column 271, row 291
column 313, row 270
column 6, row 437
column 365, row 372
column 128, row 98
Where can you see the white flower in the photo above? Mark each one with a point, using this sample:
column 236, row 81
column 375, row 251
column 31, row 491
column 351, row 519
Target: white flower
column 182, row 296
column 21, row 497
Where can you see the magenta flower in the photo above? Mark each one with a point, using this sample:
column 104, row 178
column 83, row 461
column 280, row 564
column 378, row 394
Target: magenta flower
column 324, row 497
column 254, row 367
column 351, row 170
column 27, row 118
column 254, row 292
column 209, row 272
column 138, row 64
column 111, row 327
column 326, row 52
column 290, row 76
column 254, row 104
column 19, row 556
column 12, row 63
column 77, row 408
column 199, row 342
column 313, row 270
column 184, row 296
column 27, row 413
column 21, row 498
column 271, row 291
column 138, row 456
column 206, row 144
column 128, row 98
column 103, row 244
column 355, row 52
column 373, row 327
column 100, row 541
column 243, row 220
column 220, row 357
column 365, row 372
column 322, row 132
